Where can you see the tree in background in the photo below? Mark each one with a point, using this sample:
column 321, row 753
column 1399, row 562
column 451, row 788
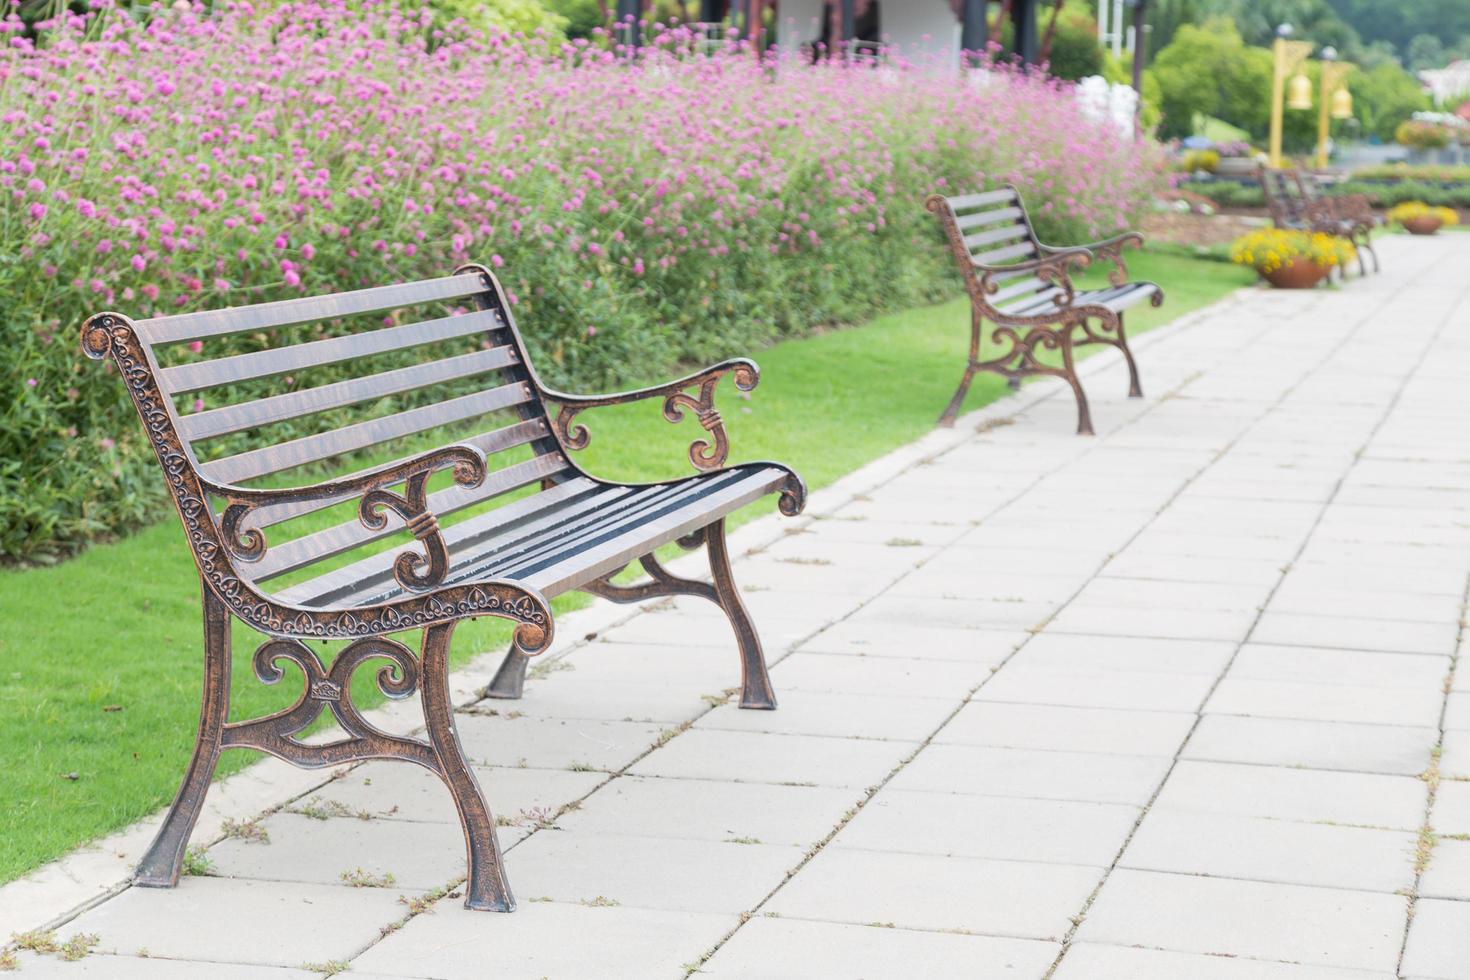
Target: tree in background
column 1425, row 51
column 1209, row 70
column 1383, row 97
column 1399, row 21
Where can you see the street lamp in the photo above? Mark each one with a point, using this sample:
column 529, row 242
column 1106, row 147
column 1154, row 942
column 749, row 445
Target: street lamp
column 1289, row 56
column 1337, row 101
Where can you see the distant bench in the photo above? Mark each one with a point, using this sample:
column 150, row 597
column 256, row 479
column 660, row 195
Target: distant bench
column 1024, row 288
column 1296, row 202
column 395, row 567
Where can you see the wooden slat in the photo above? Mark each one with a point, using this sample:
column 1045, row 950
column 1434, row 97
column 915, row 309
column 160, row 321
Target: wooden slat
column 987, row 217
column 311, row 548
column 981, row 200
column 350, row 438
column 374, row 574
column 1006, row 234
column 310, row 401
column 586, row 564
column 1028, row 285
column 308, row 309
column 262, row 364
column 1001, row 254
column 506, row 437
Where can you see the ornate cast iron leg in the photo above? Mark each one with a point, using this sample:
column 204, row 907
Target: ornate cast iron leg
column 755, row 682
column 486, row 888
column 509, row 682
column 1135, row 390
column 160, row 866
column 1069, row 374
column 952, row 410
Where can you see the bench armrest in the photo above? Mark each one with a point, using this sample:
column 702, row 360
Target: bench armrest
column 1109, row 250
column 705, row 454
column 1052, row 269
column 413, row 571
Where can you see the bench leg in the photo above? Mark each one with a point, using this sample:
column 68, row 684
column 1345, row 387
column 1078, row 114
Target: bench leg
column 160, row 865
column 952, row 410
column 755, row 682
column 509, row 682
column 1135, row 390
column 486, row 887
column 1069, row 374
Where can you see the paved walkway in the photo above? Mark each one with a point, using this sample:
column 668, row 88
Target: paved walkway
column 1175, row 702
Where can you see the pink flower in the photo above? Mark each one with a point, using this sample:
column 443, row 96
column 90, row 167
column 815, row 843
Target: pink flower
column 139, row 263
column 196, row 346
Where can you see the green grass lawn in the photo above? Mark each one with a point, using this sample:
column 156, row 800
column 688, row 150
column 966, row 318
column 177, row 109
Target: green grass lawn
column 100, row 664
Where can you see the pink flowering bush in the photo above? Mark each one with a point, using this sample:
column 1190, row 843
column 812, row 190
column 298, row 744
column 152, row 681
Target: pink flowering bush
column 680, row 208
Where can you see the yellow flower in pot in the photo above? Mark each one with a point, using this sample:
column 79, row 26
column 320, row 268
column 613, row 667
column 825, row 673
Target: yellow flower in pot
column 1291, row 259
column 1419, row 218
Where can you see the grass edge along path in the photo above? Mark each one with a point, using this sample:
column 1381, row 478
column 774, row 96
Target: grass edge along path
column 100, row 666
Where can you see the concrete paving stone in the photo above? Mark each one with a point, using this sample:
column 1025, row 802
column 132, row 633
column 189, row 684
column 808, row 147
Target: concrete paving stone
column 692, row 668
column 1093, row 961
column 1052, row 534
column 990, row 614
column 868, row 636
column 987, row 583
column 1158, row 623
column 836, row 673
column 1438, row 947
column 394, row 791
column 919, row 891
column 1127, row 654
column 1457, row 711
column 764, row 607
column 1364, row 604
column 419, row 856
column 1326, row 702
column 131, row 967
column 1307, row 795
column 700, row 809
column 1203, row 545
column 814, row 549
column 966, row 555
column 1451, row 814
column 670, row 873
column 568, row 695
column 868, row 716
column 1454, row 760
column 1446, row 583
column 930, row 536
column 696, row 627
column 773, row 575
column 1034, row 726
column 1034, row 774
column 1411, row 559
column 1448, row 872
column 1175, row 596
column 1020, row 682
column 1258, row 849
column 1222, row 916
column 1046, row 831
column 787, row 949
column 1315, row 665
column 1134, row 565
column 1338, row 632
column 1291, row 743
column 764, row 758
column 551, row 743
column 230, row 920
column 547, row 939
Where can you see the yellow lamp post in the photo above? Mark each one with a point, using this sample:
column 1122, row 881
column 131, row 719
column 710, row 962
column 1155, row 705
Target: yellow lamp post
column 1289, row 58
column 1337, row 102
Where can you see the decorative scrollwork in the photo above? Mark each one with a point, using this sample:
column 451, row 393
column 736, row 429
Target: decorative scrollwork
column 331, row 690
column 704, row 454
column 1112, row 251
column 414, row 572
column 1053, row 270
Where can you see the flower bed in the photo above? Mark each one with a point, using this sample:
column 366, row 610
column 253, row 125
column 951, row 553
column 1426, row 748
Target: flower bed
column 679, row 209
column 1276, row 253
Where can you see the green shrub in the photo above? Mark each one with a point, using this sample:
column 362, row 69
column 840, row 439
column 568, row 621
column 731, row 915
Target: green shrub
column 1422, row 135
column 1434, row 173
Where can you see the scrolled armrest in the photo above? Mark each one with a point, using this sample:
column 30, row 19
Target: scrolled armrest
column 705, row 454
column 1110, row 250
column 1051, row 269
column 413, row 571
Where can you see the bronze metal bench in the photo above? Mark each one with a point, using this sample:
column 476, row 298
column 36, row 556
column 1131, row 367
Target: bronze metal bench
column 1024, row 288
column 395, row 567
column 1295, row 201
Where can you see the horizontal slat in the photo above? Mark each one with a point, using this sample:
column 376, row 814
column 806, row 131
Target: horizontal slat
column 983, row 218
column 1028, row 285
column 350, row 438
column 308, row 309
column 1036, row 301
column 494, row 441
column 981, row 200
column 997, row 235
column 310, row 401
column 587, row 564
column 1001, row 254
column 262, row 364
column 311, row 548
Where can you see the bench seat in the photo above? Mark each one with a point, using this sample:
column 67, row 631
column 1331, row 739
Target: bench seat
column 1053, row 300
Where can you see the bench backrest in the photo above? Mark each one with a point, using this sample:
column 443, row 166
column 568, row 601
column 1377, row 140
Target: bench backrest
column 991, row 228
column 376, row 372
column 1285, row 197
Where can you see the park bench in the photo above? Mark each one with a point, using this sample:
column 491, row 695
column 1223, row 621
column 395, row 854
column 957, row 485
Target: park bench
column 1024, row 288
column 530, row 523
column 1296, row 202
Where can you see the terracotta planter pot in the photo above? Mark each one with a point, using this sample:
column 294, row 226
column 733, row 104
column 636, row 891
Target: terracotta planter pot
column 1297, row 274
column 1426, row 225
